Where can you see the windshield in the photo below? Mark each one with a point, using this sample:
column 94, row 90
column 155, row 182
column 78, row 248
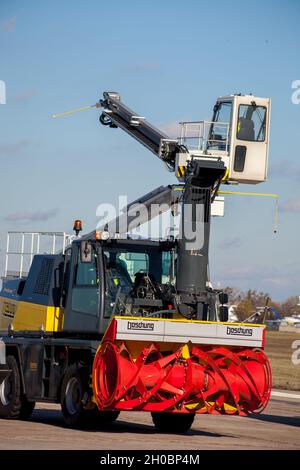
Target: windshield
column 219, row 129
column 124, row 266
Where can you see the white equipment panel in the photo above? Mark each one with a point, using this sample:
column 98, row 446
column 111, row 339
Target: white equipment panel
column 177, row 331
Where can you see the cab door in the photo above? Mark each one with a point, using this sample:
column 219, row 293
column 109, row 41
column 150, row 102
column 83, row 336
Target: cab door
column 83, row 296
column 250, row 140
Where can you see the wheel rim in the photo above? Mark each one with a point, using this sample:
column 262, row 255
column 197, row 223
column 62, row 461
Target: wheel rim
column 73, row 396
column 6, row 391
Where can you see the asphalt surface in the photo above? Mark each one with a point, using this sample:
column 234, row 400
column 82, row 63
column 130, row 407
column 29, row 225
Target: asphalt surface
column 277, row 428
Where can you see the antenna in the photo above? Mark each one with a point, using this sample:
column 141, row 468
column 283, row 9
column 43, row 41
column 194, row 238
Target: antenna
column 76, row 110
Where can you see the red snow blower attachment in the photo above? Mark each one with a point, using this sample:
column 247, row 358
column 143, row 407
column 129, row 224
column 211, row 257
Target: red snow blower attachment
column 181, row 366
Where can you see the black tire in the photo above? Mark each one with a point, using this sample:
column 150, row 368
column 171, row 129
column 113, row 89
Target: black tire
column 100, row 418
column 13, row 404
column 26, row 408
column 74, row 395
column 173, row 422
column 74, row 388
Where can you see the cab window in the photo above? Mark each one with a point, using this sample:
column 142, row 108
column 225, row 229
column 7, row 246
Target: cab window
column 219, row 130
column 85, row 292
column 168, row 267
column 86, row 273
column 251, row 124
column 121, row 268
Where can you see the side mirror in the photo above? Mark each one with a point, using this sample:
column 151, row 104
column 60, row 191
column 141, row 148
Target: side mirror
column 86, row 252
column 223, row 313
column 223, row 298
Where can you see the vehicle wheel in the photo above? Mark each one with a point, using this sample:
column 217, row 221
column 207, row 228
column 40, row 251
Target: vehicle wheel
column 173, row 422
column 27, row 408
column 74, row 388
column 10, row 392
column 13, row 404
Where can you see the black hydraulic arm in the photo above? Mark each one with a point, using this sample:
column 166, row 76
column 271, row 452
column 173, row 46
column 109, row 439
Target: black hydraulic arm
column 117, row 114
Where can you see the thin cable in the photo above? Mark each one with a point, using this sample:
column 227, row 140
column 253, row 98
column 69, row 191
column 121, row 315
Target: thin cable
column 76, row 110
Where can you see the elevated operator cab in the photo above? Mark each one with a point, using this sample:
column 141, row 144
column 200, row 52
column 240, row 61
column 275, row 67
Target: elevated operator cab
column 238, row 134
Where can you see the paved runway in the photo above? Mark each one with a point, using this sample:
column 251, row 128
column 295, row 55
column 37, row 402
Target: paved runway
column 277, row 428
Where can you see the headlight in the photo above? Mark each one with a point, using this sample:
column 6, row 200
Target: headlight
column 102, row 235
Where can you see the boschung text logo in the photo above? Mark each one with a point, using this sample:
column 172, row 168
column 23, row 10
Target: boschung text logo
column 239, row 331
column 140, row 325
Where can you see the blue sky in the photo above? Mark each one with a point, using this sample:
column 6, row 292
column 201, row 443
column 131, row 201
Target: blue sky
column 170, row 60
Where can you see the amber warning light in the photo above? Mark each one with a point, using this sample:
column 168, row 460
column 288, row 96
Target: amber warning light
column 77, row 227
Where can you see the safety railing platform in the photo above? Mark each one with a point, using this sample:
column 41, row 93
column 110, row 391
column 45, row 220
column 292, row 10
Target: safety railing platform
column 22, row 246
column 204, row 136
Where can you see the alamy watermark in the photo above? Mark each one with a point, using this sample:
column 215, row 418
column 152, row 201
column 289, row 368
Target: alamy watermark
column 296, row 353
column 295, row 98
column 154, row 221
column 2, row 92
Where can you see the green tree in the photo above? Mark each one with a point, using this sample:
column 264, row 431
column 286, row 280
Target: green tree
column 245, row 309
column 290, row 306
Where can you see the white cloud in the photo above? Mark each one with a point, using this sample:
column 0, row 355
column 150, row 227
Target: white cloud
column 171, row 129
column 9, row 25
column 277, row 281
column 285, row 169
column 292, row 205
column 234, row 242
column 38, row 216
column 23, row 96
column 143, row 67
column 280, row 283
column 13, row 149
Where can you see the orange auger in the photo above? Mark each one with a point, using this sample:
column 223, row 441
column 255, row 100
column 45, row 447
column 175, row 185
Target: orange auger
column 129, row 375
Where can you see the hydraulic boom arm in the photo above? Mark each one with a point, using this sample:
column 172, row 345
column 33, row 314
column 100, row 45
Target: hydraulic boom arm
column 117, row 114
column 202, row 178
